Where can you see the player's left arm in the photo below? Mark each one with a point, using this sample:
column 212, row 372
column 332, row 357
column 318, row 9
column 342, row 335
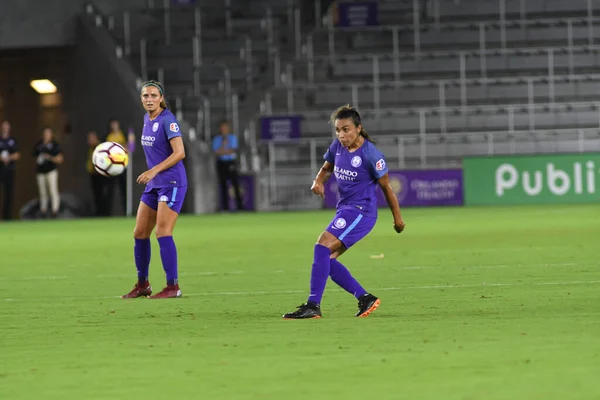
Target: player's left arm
column 177, row 155
column 379, row 171
column 392, row 200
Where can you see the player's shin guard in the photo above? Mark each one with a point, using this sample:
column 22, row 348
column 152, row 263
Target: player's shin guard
column 168, row 255
column 319, row 274
column 343, row 278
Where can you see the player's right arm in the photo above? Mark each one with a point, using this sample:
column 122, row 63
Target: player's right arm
column 318, row 186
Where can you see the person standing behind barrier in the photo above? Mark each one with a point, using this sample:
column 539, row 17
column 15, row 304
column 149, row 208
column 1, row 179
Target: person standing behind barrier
column 116, row 135
column 225, row 147
column 9, row 153
column 49, row 156
column 99, row 182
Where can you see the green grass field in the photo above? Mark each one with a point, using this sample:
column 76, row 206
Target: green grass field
column 477, row 303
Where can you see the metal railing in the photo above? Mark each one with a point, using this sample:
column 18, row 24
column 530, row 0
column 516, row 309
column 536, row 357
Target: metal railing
column 375, row 86
column 437, row 116
column 483, row 26
column 416, row 151
column 267, row 24
column 461, row 56
column 418, row 26
column 280, row 178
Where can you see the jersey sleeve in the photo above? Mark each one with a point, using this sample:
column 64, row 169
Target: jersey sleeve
column 376, row 162
column 233, row 142
column 56, row 150
column 216, row 143
column 14, row 148
column 329, row 155
column 171, row 127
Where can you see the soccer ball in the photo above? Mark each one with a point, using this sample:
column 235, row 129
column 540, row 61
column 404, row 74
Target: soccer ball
column 110, row 159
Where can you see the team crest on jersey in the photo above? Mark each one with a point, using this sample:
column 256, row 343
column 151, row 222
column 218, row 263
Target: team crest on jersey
column 380, row 165
column 174, row 127
column 340, row 223
column 163, row 199
column 155, row 127
column 356, row 161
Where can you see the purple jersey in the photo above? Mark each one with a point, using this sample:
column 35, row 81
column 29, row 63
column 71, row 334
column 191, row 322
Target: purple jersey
column 155, row 141
column 357, row 174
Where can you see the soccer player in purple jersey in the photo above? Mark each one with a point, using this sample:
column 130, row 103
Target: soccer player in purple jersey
column 166, row 185
column 359, row 167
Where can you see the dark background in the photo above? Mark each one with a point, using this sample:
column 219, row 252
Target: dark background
column 41, row 39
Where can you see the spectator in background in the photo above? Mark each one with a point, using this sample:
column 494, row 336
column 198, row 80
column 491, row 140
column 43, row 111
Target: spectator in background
column 99, row 182
column 308, row 12
column 116, row 135
column 49, row 156
column 9, row 153
column 225, row 147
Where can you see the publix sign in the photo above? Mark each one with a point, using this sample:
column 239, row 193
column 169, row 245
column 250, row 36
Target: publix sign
column 532, row 179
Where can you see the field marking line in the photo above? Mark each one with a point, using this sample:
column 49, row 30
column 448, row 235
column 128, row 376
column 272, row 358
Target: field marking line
column 274, row 292
column 34, row 278
column 278, row 272
column 488, row 250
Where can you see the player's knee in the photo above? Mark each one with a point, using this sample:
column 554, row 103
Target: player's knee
column 140, row 233
column 328, row 240
column 162, row 231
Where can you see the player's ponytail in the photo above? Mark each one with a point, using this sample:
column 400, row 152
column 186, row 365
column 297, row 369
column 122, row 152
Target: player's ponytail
column 159, row 86
column 349, row 112
column 364, row 134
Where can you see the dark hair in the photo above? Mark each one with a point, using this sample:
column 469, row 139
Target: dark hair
column 160, row 88
column 349, row 112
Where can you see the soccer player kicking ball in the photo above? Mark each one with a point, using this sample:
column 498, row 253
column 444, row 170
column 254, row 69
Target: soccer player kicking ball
column 358, row 167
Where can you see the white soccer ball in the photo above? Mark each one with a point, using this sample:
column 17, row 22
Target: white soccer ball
column 110, row 159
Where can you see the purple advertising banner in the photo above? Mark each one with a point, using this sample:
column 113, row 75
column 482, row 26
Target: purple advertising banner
column 281, row 128
column 415, row 188
column 358, row 14
column 246, row 190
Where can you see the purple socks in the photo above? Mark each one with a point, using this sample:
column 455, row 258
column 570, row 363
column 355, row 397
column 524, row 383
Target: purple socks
column 168, row 255
column 141, row 252
column 319, row 274
column 340, row 275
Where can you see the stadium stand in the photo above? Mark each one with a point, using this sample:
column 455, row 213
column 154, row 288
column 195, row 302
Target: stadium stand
column 435, row 80
column 213, row 58
column 485, row 77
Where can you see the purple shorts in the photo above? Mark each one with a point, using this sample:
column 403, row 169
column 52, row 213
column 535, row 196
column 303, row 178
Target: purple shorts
column 350, row 226
column 173, row 196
